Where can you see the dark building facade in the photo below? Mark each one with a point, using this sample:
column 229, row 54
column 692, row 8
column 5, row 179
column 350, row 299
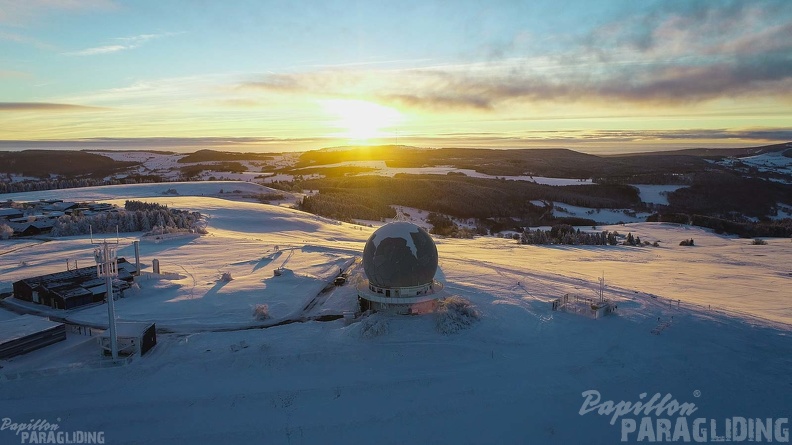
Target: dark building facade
column 72, row 288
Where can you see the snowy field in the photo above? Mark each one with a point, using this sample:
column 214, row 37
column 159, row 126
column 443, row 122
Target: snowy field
column 606, row 216
column 708, row 324
column 221, row 189
column 382, row 169
column 774, row 162
column 655, row 194
column 602, row 216
column 167, row 165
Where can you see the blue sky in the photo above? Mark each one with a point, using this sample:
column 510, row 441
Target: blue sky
column 596, row 76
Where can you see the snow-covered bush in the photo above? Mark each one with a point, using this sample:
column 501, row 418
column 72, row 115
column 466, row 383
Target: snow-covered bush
column 226, row 277
column 373, row 327
column 759, row 242
column 454, row 314
column 134, row 289
column 261, row 312
column 6, row 231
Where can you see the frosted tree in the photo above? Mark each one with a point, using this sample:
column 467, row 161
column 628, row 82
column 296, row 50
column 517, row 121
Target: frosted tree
column 6, row 231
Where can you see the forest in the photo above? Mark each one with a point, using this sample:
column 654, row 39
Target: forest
column 458, row 196
column 71, row 164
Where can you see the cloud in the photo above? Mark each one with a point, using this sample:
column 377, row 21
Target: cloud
column 124, row 44
column 44, row 106
column 609, row 141
column 600, row 141
column 487, row 87
column 159, row 142
column 19, row 38
column 761, row 135
column 497, row 84
column 679, row 54
column 97, row 50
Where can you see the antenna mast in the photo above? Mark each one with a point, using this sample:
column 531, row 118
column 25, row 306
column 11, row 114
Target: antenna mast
column 107, row 267
column 602, row 287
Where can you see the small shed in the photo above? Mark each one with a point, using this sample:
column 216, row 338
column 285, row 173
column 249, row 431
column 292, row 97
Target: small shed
column 134, row 338
column 27, row 333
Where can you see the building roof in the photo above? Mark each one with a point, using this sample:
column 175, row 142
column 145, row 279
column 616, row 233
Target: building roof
column 23, row 326
column 79, row 282
column 10, row 213
column 128, row 329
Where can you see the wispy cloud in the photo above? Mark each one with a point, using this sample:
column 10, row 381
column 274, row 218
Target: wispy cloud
column 593, row 141
column 609, row 141
column 120, row 44
column 97, row 50
column 44, row 107
column 174, row 143
column 23, row 39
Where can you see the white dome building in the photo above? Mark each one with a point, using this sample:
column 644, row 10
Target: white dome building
column 400, row 261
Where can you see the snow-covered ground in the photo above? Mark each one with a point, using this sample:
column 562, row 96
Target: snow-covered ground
column 708, row 324
column 381, row 169
column 784, row 211
column 222, row 189
column 656, row 194
column 774, row 162
column 602, row 216
column 167, row 165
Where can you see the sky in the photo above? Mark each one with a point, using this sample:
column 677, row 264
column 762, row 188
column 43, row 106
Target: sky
column 602, row 77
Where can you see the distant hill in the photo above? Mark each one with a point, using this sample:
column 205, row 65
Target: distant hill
column 719, row 152
column 213, row 156
column 562, row 163
column 72, row 164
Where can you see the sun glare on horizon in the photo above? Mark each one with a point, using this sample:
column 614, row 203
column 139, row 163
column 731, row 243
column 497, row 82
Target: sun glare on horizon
column 360, row 120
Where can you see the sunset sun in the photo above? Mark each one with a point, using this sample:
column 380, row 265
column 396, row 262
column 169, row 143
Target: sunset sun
column 361, row 120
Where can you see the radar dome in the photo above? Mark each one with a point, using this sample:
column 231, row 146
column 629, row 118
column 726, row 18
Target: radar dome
column 400, row 254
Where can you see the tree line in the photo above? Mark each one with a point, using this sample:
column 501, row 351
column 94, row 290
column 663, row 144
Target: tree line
column 566, row 234
column 57, row 184
column 141, row 217
column 743, row 228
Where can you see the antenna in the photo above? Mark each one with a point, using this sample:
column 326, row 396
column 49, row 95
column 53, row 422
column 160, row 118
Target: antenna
column 107, row 267
column 602, row 287
column 400, row 216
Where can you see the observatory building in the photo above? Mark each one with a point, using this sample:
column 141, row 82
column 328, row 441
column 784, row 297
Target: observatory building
column 400, row 260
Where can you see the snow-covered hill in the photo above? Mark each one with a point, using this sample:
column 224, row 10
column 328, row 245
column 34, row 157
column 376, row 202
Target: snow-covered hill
column 708, row 324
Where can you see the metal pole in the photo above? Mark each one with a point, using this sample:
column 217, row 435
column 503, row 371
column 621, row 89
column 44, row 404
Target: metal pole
column 137, row 257
column 110, row 304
